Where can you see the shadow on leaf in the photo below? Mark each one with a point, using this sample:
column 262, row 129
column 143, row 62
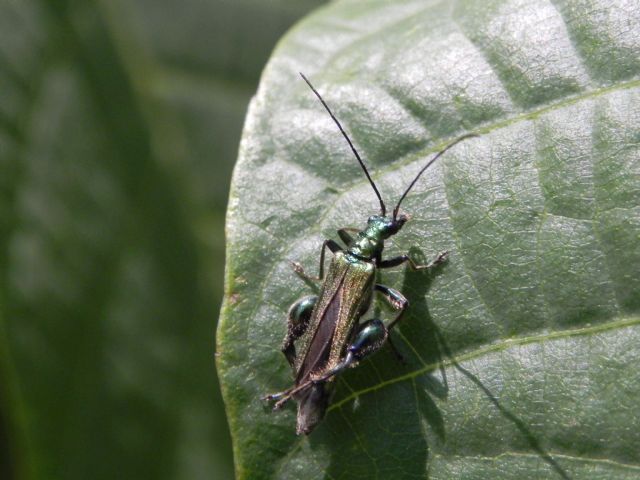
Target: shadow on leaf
column 528, row 435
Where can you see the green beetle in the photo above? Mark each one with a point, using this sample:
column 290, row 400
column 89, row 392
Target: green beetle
column 325, row 335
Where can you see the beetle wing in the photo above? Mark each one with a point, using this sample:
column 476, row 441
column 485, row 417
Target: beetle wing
column 340, row 304
column 357, row 290
column 316, row 343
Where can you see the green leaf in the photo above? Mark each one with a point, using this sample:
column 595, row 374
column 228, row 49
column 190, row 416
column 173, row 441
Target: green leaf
column 539, row 302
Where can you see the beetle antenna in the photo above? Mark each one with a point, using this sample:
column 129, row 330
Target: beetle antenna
column 383, row 209
column 437, row 156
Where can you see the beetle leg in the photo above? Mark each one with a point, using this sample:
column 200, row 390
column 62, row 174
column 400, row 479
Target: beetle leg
column 368, row 339
column 331, row 245
column 281, row 397
column 286, row 395
column 398, row 302
column 297, row 323
column 395, row 261
column 395, row 299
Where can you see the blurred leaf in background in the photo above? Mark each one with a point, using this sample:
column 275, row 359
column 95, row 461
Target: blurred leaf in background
column 119, row 125
column 540, row 299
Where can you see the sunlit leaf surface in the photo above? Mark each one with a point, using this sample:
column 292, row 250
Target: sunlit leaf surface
column 539, row 302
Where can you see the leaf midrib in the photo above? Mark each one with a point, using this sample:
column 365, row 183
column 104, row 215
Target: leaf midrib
column 501, row 345
column 556, row 455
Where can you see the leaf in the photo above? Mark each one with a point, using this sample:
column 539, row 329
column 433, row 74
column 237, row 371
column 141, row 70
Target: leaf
column 539, row 302
column 119, row 124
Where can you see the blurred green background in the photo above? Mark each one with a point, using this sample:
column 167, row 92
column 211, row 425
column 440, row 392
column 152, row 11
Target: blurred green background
column 119, row 127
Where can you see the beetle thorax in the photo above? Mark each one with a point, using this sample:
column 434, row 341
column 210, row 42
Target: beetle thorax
column 366, row 245
column 369, row 243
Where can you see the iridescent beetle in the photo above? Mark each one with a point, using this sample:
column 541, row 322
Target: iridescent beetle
column 325, row 335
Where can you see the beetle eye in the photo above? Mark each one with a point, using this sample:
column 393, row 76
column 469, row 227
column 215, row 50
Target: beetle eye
column 371, row 219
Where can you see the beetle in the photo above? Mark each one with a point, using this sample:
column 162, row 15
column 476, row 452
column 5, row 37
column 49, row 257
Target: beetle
column 324, row 333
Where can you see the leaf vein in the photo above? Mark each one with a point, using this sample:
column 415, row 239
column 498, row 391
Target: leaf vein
column 496, row 347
